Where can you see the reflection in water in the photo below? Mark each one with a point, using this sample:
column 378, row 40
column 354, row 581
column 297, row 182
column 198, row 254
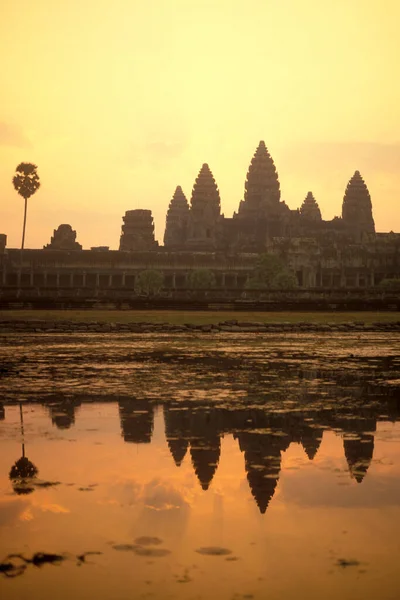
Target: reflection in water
column 136, row 421
column 224, row 472
column 262, row 434
column 62, row 412
column 23, row 471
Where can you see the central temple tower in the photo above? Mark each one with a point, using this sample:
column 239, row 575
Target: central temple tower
column 262, row 189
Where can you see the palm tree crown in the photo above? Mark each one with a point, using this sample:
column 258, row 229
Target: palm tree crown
column 26, row 180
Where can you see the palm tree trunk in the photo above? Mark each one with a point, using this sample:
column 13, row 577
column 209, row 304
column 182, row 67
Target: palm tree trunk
column 24, row 225
column 21, row 416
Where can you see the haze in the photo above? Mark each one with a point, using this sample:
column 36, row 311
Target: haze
column 117, row 103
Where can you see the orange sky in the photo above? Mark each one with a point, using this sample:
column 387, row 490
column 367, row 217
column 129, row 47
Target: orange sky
column 117, row 103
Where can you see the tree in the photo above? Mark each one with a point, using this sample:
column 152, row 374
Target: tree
column 272, row 272
column 390, row 284
column 149, row 282
column 26, row 182
column 201, row 279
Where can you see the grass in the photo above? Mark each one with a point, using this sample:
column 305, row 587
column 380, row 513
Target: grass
column 195, row 317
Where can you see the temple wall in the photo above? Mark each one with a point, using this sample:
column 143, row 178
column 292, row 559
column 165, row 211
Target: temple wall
column 115, row 271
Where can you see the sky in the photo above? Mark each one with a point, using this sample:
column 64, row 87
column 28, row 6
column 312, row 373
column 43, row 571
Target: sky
column 119, row 102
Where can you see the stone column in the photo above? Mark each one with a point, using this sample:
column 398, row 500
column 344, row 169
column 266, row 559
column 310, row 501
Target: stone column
column 123, row 279
column 357, row 278
column 31, row 278
column 235, row 280
column 110, row 281
column 223, row 279
column 97, row 280
column 71, row 280
column 84, row 279
column 372, row 278
column 58, row 279
column 174, row 281
column 45, row 279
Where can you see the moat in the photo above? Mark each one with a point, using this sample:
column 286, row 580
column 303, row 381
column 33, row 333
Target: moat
column 228, row 466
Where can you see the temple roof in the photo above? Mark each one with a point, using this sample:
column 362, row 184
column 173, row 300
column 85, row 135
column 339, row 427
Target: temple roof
column 205, row 455
column 176, row 221
column 310, row 209
column 262, row 188
column 179, row 199
column 205, row 189
column 357, row 206
column 359, row 453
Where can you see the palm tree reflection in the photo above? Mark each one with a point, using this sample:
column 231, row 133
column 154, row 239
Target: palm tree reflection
column 23, row 471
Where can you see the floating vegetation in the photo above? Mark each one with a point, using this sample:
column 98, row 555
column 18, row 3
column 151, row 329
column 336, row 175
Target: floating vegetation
column 214, row 551
column 15, row 564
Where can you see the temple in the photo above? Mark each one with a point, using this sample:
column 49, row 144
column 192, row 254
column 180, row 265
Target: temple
column 194, row 434
column 63, row 238
column 342, row 253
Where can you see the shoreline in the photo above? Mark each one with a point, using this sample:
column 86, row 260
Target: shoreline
column 232, row 326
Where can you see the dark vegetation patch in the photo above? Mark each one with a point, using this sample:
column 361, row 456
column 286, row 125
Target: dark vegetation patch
column 16, row 564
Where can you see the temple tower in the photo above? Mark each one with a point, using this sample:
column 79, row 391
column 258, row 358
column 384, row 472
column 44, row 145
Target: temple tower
column 138, row 231
column 262, row 188
column 359, row 453
column 357, row 206
column 205, row 212
column 63, row 238
column 262, row 457
column 177, row 220
column 310, row 209
column 177, row 432
column 205, row 453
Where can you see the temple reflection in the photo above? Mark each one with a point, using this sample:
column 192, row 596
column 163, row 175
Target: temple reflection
column 62, row 412
column 137, row 420
column 263, row 430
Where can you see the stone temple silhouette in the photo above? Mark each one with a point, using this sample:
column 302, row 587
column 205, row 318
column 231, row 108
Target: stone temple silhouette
column 344, row 252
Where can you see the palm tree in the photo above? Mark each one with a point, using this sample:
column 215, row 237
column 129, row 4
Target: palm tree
column 26, row 182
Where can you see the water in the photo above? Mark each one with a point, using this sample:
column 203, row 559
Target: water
column 196, row 467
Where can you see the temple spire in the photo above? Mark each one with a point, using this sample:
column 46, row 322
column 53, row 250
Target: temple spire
column 262, row 188
column 310, row 209
column 205, row 211
column 177, row 220
column 357, row 206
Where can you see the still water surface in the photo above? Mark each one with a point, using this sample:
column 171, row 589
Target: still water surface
column 195, row 467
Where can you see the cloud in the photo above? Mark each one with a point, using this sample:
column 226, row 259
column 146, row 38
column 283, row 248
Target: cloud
column 159, row 495
column 126, row 493
column 12, row 136
column 11, row 511
column 54, row 508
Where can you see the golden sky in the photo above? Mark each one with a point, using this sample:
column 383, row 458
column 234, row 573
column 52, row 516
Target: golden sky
column 119, row 102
